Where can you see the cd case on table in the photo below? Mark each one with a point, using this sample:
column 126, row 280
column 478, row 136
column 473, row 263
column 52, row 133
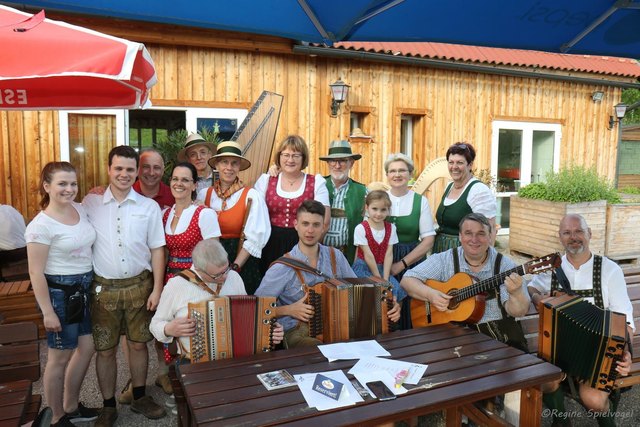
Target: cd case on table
column 277, row 379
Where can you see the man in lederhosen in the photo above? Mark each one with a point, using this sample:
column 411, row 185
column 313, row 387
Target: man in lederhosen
column 601, row 282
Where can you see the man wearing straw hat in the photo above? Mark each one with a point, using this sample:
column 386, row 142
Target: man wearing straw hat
column 346, row 197
column 197, row 151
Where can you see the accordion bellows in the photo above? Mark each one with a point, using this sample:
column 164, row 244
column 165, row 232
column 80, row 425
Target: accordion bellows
column 232, row 326
column 349, row 308
column 582, row 339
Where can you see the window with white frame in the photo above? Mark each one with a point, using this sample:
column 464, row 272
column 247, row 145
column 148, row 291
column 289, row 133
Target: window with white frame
column 407, row 123
column 521, row 153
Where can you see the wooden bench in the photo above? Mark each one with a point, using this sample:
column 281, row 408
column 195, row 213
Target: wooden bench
column 19, row 367
column 19, row 352
column 18, row 304
column 632, row 277
column 530, row 323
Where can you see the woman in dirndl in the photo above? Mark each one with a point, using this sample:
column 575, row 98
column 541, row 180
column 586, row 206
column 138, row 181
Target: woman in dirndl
column 185, row 223
column 285, row 192
column 242, row 214
column 411, row 214
column 464, row 195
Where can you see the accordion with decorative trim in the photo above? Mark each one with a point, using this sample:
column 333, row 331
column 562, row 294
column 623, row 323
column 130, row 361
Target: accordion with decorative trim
column 232, row 326
column 350, row 308
column 582, row 339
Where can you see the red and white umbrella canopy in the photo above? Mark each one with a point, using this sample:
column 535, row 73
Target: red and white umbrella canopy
column 52, row 65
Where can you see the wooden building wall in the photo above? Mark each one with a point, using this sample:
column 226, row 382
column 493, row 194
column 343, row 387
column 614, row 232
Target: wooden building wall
column 450, row 106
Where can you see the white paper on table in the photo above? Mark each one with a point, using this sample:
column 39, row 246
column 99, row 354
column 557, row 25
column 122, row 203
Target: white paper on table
column 376, row 364
column 384, row 376
column 352, row 350
column 349, row 395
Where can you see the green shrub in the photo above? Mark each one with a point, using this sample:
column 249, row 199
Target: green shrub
column 537, row 190
column 630, row 190
column 573, row 184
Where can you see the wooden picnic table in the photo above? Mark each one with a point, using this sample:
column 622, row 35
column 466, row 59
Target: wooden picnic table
column 464, row 367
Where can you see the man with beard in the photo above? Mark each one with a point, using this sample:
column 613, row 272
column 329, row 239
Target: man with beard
column 149, row 182
column 607, row 290
column 346, row 197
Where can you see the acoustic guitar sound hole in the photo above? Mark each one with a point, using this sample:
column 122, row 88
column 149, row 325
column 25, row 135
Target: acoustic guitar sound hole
column 453, row 302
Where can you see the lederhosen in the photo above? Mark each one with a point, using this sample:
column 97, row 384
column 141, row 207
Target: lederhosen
column 507, row 330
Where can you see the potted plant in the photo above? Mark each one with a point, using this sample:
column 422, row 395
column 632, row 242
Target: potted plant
column 538, row 208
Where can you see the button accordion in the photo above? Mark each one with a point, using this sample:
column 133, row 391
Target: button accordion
column 349, row 308
column 582, row 339
column 231, row 326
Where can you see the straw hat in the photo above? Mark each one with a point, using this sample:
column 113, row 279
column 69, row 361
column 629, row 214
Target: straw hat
column 340, row 150
column 192, row 140
column 230, row 149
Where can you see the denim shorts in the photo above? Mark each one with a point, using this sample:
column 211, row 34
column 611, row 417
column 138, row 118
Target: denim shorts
column 67, row 339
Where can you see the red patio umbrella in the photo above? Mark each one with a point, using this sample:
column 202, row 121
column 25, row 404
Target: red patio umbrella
column 46, row 64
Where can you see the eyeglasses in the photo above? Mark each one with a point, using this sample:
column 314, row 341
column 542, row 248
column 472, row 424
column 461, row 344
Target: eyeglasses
column 288, row 156
column 182, row 180
column 340, row 162
column 397, row 171
column 215, row 277
column 567, row 233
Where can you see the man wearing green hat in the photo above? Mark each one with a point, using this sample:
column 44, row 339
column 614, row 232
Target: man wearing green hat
column 198, row 151
column 346, row 197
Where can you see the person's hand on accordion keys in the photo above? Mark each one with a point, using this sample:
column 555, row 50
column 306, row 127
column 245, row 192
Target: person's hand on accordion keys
column 299, row 310
column 180, row 327
column 278, row 333
column 394, row 313
column 624, row 366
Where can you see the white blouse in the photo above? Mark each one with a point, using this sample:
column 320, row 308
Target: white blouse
column 258, row 227
column 402, row 206
column 480, row 199
column 69, row 245
column 320, row 192
column 208, row 222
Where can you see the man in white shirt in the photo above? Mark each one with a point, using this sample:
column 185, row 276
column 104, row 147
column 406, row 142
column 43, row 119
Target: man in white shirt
column 13, row 246
column 128, row 262
column 607, row 290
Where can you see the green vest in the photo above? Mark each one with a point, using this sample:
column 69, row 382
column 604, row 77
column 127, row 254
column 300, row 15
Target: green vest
column 354, row 209
column 449, row 217
column 408, row 227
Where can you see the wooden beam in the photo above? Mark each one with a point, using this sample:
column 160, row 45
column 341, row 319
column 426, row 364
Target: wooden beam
column 175, row 35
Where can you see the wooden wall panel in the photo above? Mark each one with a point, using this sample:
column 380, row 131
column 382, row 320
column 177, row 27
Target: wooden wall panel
column 453, row 105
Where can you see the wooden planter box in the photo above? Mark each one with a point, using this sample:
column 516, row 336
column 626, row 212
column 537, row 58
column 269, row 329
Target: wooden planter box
column 533, row 228
column 623, row 221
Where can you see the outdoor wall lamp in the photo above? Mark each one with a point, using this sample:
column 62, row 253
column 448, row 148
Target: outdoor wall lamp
column 620, row 109
column 597, row 96
column 339, row 93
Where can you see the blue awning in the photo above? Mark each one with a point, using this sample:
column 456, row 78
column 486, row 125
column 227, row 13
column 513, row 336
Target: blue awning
column 602, row 27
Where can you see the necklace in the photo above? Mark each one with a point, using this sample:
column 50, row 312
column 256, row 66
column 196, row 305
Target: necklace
column 486, row 255
column 292, row 181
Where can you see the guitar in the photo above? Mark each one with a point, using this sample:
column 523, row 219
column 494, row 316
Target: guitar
column 468, row 302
